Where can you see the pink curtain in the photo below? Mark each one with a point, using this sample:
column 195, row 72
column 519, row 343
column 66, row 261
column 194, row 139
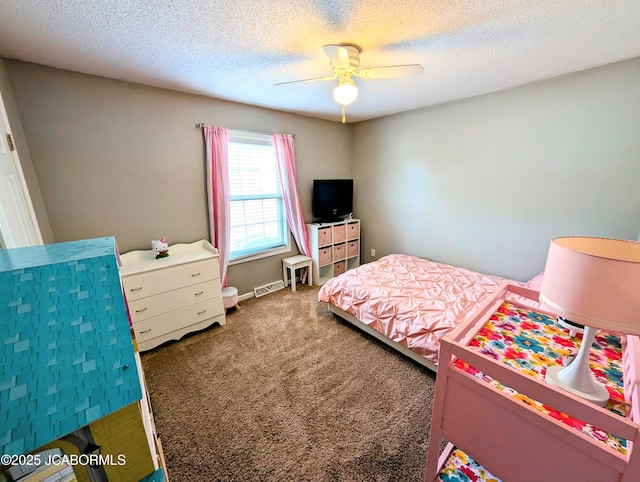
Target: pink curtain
column 285, row 154
column 217, row 160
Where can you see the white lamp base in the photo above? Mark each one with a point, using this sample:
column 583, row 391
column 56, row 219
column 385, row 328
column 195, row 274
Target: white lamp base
column 576, row 378
column 599, row 397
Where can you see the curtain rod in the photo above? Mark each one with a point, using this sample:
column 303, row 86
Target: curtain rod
column 202, row 124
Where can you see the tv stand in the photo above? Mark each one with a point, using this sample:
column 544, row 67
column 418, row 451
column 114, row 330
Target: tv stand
column 335, row 247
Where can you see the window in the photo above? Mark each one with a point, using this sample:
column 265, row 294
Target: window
column 257, row 213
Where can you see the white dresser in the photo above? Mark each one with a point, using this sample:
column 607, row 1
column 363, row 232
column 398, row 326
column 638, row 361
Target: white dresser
column 170, row 297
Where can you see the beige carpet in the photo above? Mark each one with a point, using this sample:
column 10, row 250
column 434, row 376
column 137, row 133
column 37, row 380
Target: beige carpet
column 285, row 391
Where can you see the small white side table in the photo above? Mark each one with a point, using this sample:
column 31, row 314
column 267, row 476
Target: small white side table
column 293, row 263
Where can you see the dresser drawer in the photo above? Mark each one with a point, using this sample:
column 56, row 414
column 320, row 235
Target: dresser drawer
column 352, row 249
column 339, row 233
column 324, row 256
column 324, row 236
column 173, row 300
column 160, row 280
column 164, row 324
column 353, row 230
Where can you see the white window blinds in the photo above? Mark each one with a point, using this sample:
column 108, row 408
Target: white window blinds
column 257, row 213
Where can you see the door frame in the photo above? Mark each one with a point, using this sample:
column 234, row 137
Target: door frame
column 18, row 222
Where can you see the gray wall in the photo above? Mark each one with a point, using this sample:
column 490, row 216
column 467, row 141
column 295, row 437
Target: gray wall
column 483, row 183
column 122, row 159
column 24, row 155
column 487, row 182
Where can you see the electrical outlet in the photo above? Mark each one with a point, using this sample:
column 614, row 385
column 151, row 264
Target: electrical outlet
column 373, row 252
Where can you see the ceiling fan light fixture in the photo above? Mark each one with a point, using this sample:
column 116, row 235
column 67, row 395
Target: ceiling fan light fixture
column 346, row 92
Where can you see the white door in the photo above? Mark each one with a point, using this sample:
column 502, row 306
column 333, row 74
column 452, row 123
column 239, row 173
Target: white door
column 18, row 223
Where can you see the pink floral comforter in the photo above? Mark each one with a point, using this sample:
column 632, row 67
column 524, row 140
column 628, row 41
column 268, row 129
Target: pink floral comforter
column 410, row 300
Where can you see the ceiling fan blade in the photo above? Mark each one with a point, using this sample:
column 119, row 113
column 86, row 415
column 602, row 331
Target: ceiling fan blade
column 391, row 72
column 316, row 79
column 338, row 55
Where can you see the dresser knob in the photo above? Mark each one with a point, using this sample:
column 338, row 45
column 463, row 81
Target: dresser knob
column 199, row 293
column 195, row 275
column 135, row 289
column 142, row 310
column 201, row 312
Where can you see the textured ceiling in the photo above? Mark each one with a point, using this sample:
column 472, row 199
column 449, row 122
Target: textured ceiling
column 238, row 49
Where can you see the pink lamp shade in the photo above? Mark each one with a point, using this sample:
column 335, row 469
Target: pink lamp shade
column 594, row 282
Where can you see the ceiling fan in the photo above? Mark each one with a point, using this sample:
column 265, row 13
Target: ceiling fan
column 345, row 59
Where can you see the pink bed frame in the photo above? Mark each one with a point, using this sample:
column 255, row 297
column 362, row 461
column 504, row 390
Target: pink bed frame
column 515, row 441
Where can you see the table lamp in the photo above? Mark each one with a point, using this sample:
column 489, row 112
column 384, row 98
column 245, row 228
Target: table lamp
column 594, row 282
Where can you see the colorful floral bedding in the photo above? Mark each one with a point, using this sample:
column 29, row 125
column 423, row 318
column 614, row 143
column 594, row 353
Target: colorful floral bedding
column 459, row 467
column 410, row 300
column 530, row 341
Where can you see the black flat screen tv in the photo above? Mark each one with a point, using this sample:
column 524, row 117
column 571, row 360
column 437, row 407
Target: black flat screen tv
column 331, row 199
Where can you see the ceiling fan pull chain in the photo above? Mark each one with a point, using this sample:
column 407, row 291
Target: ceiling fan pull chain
column 344, row 115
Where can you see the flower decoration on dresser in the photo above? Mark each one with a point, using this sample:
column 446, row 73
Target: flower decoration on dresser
column 161, row 247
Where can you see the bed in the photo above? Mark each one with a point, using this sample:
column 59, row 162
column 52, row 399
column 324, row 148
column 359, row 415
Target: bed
column 502, row 421
column 408, row 302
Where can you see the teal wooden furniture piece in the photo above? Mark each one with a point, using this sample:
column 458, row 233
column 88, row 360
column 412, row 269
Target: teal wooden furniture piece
column 66, row 351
